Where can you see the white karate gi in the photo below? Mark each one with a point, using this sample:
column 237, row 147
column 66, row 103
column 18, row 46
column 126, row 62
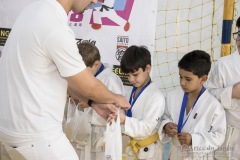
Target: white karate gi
column 236, row 153
column 207, row 128
column 96, row 144
column 146, row 114
column 224, row 75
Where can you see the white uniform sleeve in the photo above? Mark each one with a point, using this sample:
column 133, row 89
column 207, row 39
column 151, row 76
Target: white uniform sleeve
column 166, row 118
column 151, row 114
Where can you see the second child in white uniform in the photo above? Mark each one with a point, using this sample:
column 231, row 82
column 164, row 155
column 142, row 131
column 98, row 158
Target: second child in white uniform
column 103, row 72
column 147, row 106
column 194, row 121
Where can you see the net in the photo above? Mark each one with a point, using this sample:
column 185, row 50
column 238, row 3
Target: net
column 183, row 26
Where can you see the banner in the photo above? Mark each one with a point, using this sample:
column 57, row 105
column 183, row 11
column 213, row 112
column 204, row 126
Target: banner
column 113, row 26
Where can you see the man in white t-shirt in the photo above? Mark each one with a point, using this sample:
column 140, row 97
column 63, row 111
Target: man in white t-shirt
column 40, row 60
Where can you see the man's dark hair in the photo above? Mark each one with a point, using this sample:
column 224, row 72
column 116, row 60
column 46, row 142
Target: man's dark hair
column 135, row 57
column 198, row 62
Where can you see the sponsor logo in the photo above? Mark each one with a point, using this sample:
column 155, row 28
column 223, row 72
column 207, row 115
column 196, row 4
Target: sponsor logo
column 123, row 76
column 85, row 40
column 122, row 45
column 4, row 33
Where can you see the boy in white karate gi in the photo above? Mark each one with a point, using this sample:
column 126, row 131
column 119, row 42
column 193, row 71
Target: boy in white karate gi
column 147, row 106
column 103, row 72
column 194, row 121
column 224, row 84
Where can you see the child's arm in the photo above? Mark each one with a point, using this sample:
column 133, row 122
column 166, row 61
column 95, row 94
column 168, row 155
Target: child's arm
column 146, row 118
column 167, row 128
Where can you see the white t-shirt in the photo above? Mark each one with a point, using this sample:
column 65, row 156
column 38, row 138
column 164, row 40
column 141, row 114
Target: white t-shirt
column 40, row 50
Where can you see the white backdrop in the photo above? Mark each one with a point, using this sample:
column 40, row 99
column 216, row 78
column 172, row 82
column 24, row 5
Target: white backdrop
column 169, row 28
column 111, row 39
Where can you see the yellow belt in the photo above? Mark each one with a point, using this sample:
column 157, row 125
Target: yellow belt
column 137, row 145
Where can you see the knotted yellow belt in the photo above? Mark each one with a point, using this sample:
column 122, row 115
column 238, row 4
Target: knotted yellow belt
column 137, row 145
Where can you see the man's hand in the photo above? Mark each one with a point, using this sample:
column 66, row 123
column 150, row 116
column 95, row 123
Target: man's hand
column 185, row 138
column 171, row 129
column 122, row 102
column 236, row 91
column 104, row 110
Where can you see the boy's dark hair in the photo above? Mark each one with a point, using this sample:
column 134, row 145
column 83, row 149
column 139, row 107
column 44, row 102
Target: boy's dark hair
column 238, row 22
column 198, row 62
column 135, row 57
column 89, row 53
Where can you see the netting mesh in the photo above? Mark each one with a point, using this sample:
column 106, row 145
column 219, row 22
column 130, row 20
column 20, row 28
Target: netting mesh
column 183, row 26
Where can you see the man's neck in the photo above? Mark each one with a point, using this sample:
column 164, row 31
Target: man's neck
column 66, row 4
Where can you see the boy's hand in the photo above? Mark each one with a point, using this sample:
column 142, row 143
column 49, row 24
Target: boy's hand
column 104, row 110
column 122, row 117
column 185, row 138
column 171, row 129
column 236, row 91
column 113, row 116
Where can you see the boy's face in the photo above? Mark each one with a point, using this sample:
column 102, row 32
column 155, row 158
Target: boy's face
column 139, row 78
column 190, row 82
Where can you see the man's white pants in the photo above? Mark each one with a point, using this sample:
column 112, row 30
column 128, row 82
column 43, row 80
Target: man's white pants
column 54, row 147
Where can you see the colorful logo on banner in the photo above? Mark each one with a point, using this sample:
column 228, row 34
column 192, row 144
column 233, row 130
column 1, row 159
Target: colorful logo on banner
column 122, row 45
column 106, row 13
column 4, row 33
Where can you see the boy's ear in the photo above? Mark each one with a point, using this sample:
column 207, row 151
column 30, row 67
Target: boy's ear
column 148, row 68
column 96, row 63
column 204, row 78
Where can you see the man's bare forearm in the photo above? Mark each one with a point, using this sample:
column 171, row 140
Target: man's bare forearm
column 86, row 85
column 76, row 95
